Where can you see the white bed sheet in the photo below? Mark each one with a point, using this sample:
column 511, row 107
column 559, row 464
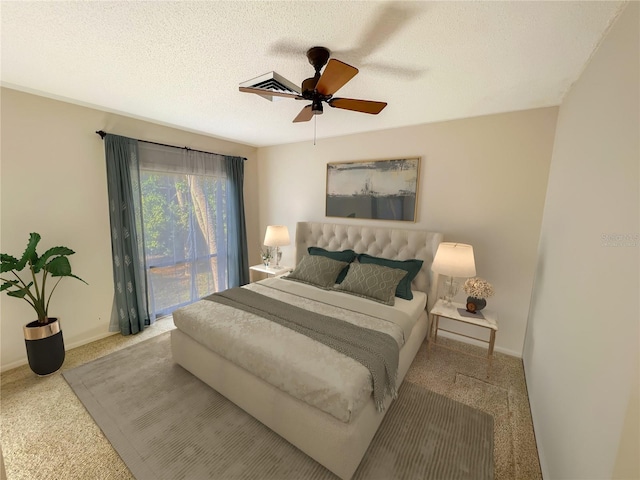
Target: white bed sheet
column 322, row 377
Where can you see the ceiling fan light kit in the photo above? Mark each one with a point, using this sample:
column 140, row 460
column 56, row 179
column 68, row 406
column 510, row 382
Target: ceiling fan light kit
column 316, row 107
column 317, row 89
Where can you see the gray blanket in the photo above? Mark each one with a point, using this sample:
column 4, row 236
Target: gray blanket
column 377, row 351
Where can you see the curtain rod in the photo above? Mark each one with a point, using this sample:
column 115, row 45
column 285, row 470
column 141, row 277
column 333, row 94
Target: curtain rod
column 102, row 134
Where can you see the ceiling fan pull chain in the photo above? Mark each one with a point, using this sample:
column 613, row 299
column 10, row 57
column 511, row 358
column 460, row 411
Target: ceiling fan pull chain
column 315, row 127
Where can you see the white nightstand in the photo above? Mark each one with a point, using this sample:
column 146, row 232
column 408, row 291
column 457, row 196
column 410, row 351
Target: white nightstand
column 267, row 272
column 490, row 322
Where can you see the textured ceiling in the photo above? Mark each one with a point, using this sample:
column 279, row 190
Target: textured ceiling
column 180, row 63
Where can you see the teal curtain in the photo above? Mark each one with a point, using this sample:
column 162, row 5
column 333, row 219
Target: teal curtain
column 177, row 226
column 237, row 232
column 127, row 239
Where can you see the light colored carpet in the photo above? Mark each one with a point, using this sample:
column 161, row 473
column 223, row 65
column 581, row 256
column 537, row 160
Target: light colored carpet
column 166, row 424
column 46, row 433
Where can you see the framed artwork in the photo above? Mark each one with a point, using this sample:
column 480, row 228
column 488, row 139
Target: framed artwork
column 373, row 189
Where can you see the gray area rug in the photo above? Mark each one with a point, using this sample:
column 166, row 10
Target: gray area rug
column 167, row 424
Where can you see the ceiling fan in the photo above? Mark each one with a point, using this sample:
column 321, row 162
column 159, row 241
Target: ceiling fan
column 317, row 89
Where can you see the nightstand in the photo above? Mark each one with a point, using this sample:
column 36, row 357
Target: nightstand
column 488, row 319
column 259, row 272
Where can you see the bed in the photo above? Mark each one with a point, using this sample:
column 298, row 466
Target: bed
column 333, row 427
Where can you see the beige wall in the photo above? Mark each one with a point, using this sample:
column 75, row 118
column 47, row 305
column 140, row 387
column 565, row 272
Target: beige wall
column 53, row 181
column 483, row 182
column 581, row 349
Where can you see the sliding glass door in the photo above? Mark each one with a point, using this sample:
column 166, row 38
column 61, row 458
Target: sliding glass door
column 184, row 224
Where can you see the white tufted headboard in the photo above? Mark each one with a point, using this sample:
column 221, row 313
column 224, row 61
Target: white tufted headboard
column 392, row 243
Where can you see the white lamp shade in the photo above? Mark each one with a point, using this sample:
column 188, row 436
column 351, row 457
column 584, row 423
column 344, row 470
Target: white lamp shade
column 454, row 260
column 276, row 236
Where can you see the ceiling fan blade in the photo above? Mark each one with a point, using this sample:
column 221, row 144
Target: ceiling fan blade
column 364, row 106
column 335, row 75
column 305, row 115
column 264, row 91
column 389, row 20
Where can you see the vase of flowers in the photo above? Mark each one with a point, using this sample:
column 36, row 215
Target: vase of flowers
column 478, row 290
column 266, row 254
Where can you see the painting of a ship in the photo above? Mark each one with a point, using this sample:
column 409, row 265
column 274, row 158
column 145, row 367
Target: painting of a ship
column 375, row 189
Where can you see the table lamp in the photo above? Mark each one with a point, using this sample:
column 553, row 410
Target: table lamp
column 277, row 236
column 454, row 260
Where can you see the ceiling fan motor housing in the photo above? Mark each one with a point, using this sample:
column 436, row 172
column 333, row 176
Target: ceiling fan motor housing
column 318, row 57
column 309, row 85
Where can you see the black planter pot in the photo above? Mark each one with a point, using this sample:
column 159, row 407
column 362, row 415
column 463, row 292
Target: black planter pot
column 475, row 304
column 45, row 346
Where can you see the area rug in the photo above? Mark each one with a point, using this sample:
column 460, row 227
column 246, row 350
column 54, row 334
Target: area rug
column 167, row 424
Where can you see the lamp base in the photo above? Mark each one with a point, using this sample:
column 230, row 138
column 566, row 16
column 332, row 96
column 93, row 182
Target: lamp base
column 278, row 257
column 452, row 291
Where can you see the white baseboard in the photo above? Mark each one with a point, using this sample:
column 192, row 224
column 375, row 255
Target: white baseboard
column 12, row 365
column 479, row 344
column 84, row 341
column 67, row 347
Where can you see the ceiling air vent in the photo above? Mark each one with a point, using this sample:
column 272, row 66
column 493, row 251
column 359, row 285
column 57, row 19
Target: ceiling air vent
column 272, row 82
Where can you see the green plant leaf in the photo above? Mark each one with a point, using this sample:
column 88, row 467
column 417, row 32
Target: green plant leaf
column 7, row 263
column 19, row 293
column 59, row 267
column 78, row 278
column 4, row 258
column 55, row 251
column 8, row 284
column 30, row 252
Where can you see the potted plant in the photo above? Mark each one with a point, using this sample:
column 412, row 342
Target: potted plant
column 43, row 337
column 478, row 290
